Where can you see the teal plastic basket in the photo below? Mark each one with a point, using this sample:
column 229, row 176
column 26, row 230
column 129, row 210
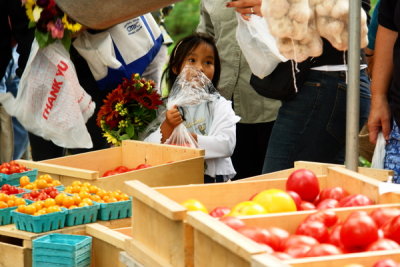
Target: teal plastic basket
column 82, row 215
column 41, row 223
column 13, row 179
column 83, row 263
column 62, row 250
column 5, row 214
column 115, row 210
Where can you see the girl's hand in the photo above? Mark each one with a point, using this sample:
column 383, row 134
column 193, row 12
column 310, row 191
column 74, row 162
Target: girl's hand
column 173, row 117
column 246, row 7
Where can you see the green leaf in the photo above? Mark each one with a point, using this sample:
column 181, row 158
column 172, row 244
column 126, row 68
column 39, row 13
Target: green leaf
column 66, row 40
column 31, row 24
column 130, row 130
column 42, row 38
column 124, row 137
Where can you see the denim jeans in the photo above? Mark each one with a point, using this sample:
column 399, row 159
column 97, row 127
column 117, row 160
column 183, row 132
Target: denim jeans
column 392, row 153
column 312, row 126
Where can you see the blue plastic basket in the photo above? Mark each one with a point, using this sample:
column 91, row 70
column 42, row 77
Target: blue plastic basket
column 5, row 214
column 82, row 215
column 115, row 210
column 13, row 179
column 83, row 263
column 41, row 223
column 62, row 250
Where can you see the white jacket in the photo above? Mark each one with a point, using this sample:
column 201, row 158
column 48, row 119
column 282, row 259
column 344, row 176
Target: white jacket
column 220, row 141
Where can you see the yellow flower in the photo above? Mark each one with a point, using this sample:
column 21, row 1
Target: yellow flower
column 36, row 13
column 72, row 27
column 111, row 139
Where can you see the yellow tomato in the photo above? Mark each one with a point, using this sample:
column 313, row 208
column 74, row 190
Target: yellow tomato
column 247, row 208
column 193, row 204
column 275, row 200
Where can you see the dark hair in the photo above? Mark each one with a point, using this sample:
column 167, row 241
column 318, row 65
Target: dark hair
column 182, row 49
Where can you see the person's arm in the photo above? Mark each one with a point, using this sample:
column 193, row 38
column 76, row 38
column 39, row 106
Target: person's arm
column 172, row 119
column 379, row 118
column 221, row 139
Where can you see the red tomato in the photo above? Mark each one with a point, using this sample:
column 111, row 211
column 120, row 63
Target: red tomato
column 334, row 236
column 386, row 263
column 314, row 229
column 5, row 170
column 297, row 251
column 6, row 187
column 328, row 203
column 232, row 222
column 300, row 239
column 14, row 169
column 13, row 190
column 358, row 231
column 296, row 197
column 34, row 193
column 391, row 229
column 220, row 211
column 327, row 217
column 333, row 192
column 53, row 194
column 305, row 205
column 109, row 173
column 382, row 215
column 323, row 250
column 305, row 183
column 355, row 200
column 280, row 235
column 257, row 234
column 142, row 166
column 121, row 169
column 383, row 244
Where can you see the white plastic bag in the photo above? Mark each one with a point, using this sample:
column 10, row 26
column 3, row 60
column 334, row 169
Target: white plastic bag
column 258, row 45
column 50, row 101
column 191, row 88
column 378, row 159
column 118, row 52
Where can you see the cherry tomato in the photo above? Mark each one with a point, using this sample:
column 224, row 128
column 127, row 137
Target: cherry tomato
column 323, row 250
column 383, row 244
column 382, row 215
column 305, row 183
column 355, row 200
column 391, row 229
column 333, row 192
column 314, row 229
column 219, row 212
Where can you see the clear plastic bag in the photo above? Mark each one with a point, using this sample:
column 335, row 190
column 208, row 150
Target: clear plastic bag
column 256, row 42
column 191, row 88
column 378, row 159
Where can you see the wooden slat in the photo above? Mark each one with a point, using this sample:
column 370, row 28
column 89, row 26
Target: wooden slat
column 364, row 258
column 143, row 255
column 156, row 200
column 106, row 234
column 222, row 234
column 264, row 260
column 48, row 168
column 14, row 256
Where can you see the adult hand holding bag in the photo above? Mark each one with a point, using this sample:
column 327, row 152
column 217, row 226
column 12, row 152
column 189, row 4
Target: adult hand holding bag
column 50, row 101
column 120, row 51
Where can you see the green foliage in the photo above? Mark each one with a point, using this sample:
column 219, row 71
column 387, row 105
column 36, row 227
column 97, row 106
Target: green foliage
column 183, row 19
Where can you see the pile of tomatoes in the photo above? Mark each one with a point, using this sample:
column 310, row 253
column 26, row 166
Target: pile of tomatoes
column 12, row 167
column 122, row 169
column 11, row 189
column 35, row 195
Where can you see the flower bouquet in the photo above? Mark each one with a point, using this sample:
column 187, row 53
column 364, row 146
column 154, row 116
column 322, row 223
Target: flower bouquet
column 51, row 22
column 128, row 110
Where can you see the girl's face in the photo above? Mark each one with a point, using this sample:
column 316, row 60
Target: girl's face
column 201, row 58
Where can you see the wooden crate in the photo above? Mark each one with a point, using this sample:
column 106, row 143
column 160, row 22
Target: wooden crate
column 290, row 223
column 159, row 208
column 107, row 243
column 322, row 169
column 172, row 165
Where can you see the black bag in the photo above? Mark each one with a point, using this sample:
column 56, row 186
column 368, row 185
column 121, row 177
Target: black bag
column 279, row 84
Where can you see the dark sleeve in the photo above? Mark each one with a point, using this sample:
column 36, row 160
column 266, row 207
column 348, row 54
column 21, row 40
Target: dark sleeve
column 5, row 39
column 20, row 32
column 386, row 14
column 366, row 5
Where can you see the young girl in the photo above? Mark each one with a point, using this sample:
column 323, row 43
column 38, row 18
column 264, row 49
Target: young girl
column 216, row 133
